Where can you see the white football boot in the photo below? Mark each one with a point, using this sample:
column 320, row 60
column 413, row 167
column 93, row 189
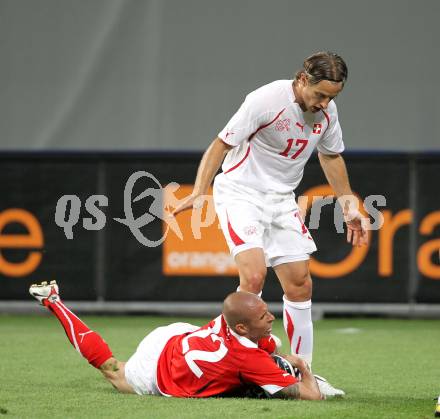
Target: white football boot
column 327, row 389
column 45, row 291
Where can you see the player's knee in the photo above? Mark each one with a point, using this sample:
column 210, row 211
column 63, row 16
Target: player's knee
column 299, row 288
column 253, row 282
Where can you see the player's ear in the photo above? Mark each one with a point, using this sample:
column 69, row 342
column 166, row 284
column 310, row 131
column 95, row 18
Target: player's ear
column 241, row 329
column 303, row 79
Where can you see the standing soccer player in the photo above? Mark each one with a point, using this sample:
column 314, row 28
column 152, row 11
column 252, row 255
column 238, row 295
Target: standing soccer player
column 264, row 148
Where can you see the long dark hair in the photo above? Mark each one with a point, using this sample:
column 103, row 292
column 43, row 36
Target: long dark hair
column 324, row 66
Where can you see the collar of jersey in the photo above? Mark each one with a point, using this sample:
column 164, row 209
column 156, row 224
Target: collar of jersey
column 291, row 93
column 244, row 341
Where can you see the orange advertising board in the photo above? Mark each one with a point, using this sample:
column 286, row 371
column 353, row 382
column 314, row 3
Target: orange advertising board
column 32, row 241
column 194, row 243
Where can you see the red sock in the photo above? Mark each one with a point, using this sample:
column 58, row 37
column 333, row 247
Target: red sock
column 87, row 342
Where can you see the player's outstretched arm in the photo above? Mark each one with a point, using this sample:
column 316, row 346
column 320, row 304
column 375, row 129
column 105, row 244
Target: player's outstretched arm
column 306, row 389
column 335, row 171
column 208, row 167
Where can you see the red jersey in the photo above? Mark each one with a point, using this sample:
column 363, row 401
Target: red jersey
column 214, row 360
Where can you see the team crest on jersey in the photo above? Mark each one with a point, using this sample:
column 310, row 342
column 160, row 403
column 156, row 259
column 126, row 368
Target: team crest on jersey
column 250, row 230
column 283, row 125
column 317, row 128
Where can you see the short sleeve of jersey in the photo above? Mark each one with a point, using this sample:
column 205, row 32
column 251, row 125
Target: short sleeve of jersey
column 251, row 115
column 267, row 344
column 262, row 371
column 331, row 142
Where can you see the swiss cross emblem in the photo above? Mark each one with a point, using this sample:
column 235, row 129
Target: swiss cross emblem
column 283, row 125
column 317, row 128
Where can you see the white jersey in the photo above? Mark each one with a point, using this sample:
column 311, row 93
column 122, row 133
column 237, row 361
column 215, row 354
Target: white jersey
column 273, row 139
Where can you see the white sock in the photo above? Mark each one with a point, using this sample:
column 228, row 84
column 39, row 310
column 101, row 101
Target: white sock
column 297, row 320
column 259, row 294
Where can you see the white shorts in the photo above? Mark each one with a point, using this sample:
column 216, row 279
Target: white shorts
column 140, row 369
column 270, row 221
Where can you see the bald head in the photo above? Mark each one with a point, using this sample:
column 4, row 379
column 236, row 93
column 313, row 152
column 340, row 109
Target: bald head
column 240, row 307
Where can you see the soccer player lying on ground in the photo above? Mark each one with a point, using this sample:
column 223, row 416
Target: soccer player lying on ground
column 183, row 360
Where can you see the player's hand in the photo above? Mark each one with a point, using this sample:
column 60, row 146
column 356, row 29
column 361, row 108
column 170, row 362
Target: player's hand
column 357, row 228
column 297, row 362
column 191, row 201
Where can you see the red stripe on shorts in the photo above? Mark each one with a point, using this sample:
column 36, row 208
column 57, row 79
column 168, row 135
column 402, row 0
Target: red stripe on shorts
column 234, row 236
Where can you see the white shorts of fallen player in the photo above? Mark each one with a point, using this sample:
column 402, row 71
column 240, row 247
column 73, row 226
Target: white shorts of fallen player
column 270, row 221
column 140, row 369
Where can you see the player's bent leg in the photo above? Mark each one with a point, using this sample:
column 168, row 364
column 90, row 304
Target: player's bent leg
column 252, row 269
column 297, row 306
column 114, row 372
column 86, row 341
column 297, row 315
column 295, row 280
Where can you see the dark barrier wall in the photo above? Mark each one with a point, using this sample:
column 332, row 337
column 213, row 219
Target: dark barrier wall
column 109, row 263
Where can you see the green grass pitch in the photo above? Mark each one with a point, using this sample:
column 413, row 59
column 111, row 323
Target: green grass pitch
column 389, row 369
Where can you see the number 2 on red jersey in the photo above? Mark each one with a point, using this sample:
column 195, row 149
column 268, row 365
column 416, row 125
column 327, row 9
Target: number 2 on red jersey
column 301, row 142
column 197, row 355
